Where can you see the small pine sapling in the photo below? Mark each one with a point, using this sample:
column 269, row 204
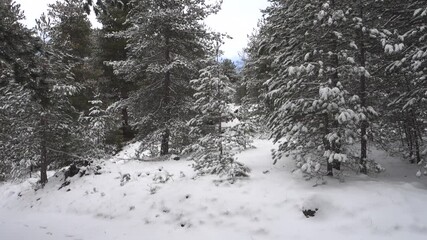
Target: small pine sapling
column 215, row 150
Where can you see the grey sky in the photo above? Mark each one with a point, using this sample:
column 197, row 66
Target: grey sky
column 237, row 18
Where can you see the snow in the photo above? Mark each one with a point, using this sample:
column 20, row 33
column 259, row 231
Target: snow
column 129, row 152
column 232, row 123
column 268, row 205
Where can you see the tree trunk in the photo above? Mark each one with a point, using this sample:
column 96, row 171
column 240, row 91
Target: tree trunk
column 409, row 139
column 43, row 151
column 362, row 95
column 220, row 136
column 164, row 148
column 415, row 128
column 336, row 148
column 126, row 128
column 221, row 150
column 412, row 128
column 417, row 150
column 401, row 129
column 327, row 145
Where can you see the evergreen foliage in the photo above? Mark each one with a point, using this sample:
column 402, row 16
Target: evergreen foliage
column 320, row 68
column 165, row 43
column 115, row 88
column 70, row 31
column 326, row 79
column 217, row 144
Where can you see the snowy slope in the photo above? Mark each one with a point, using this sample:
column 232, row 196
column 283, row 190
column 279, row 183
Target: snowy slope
column 266, row 206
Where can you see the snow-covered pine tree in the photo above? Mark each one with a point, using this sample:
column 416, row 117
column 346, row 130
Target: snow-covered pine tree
column 70, row 28
column 365, row 34
column 166, row 42
column 114, row 88
column 56, row 131
column 17, row 49
column 70, row 31
column 257, row 64
column 418, row 58
column 36, row 85
column 16, row 131
column 215, row 149
column 100, row 6
column 415, row 59
column 16, row 44
column 256, row 71
column 313, row 111
column 98, row 123
column 405, row 46
column 231, row 71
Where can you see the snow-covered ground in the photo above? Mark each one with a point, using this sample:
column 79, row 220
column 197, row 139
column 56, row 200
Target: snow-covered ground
column 268, row 205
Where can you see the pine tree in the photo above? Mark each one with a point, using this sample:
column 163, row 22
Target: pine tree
column 235, row 76
column 16, row 43
column 256, row 71
column 36, row 85
column 98, row 121
column 257, row 66
column 100, row 6
column 311, row 65
column 56, row 129
column 166, row 41
column 405, row 49
column 71, row 32
column 18, row 47
column 328, row 65
column 214, row 152
column 16, row 131
column 368, row 30
column 115, row 89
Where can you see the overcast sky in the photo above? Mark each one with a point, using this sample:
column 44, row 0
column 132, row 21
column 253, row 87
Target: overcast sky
column 237, row 18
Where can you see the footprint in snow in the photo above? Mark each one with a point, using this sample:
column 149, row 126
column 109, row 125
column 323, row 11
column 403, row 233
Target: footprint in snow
column 261, row 231
column 166, row 210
